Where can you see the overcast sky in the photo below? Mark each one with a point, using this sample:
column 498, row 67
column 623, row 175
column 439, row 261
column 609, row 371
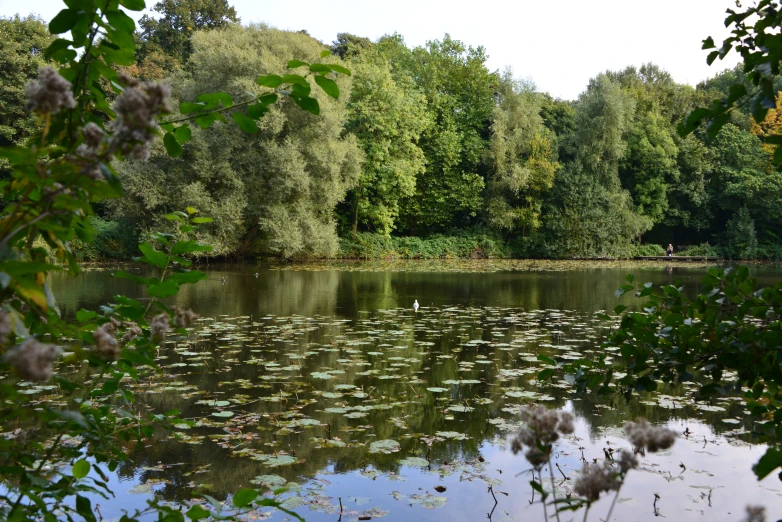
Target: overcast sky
column 557, row 44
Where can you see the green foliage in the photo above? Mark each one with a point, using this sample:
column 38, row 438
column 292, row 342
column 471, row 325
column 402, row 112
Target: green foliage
column 649, row 250
column 704, row 249
column 114, row 240
column 270, row 191
column 521, row 160
column 170, row 34
column 726, row 338
column 22, row 43
column 589, row 213
column 55, row 178
column 466, row 245
column 742, row 243
column 387, row 116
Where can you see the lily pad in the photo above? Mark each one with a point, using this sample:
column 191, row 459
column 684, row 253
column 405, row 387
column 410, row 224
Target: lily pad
column 384, row 446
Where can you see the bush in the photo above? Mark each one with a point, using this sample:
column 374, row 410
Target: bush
column 115, row 240
column 469, row 245
column 648, row 250
column 742, row 243
column 704, row 249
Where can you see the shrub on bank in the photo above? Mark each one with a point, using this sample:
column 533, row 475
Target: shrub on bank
column 365, row 245
column 114, row 240
column 648, row 250
column 704, row 249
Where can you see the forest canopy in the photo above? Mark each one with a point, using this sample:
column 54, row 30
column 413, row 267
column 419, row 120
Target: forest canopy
column 426, row 143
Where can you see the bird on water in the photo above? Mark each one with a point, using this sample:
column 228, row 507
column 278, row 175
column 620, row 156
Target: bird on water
column 415, row 305
column 222, row 280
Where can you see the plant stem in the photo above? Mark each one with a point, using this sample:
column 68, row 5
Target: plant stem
column 611, row 509
column 586, row 512
column 554, row 489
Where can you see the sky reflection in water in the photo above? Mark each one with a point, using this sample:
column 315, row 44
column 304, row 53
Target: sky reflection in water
column 279, row 349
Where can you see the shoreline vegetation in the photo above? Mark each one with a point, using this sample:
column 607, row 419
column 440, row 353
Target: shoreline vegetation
column 112, row 243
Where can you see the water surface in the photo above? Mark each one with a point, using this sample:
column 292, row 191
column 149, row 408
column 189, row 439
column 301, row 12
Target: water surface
column 323, row 378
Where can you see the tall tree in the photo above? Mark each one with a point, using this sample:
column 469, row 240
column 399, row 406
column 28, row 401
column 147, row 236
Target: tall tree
column 274, row 191
column 22, row 45
column 590, row 214
column 460, row 98
column 165, row 41
column 387, row 117
column 521, row 159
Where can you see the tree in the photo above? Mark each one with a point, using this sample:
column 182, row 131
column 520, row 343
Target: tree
column 275, row 190
column 22, row 45
column 459, row 91
column 742, row 243
column 387, row 117
column 166, row 41
column 348, row 46
column 521, row 159
column 589, row 213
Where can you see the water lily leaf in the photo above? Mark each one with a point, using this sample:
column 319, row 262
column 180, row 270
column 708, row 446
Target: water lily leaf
column 429, row 501
column 414, row 462
column 384, row 446
column 436, row 389
column 223, row 414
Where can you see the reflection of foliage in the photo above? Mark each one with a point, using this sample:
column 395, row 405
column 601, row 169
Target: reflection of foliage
column 729, row 336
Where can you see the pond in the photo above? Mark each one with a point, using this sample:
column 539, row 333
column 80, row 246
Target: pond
column 323, row 378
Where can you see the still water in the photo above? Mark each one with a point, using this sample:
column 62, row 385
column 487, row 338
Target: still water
column 323, row 379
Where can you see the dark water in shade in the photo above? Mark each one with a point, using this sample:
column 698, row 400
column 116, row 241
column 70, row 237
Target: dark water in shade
column 315, row 363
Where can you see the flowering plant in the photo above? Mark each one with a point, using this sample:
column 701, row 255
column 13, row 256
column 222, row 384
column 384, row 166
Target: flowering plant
column 47, row 202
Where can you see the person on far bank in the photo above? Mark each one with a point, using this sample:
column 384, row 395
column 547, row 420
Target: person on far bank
column 670, row 250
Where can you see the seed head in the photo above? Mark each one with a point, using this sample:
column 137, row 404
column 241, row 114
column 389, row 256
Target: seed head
column 755, row 514
column 643, row 435
column 159, row 326
column 132, row 331
column 137, row 110
column 32, row 359
column 49, row 93
column 105, row 342
column 184, row 318
column 594, row 480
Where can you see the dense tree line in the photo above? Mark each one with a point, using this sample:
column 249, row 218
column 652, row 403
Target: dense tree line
column 428, row 141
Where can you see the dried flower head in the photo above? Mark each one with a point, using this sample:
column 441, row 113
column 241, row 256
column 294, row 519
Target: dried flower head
column 32, row 359
column 132, row 331
column 643, row 435
column 137, row 110
column 627, row 461
column 105, row 342
column 595, row 479
column 542, row 428
column 755, row 514
column 159, row 326
column 49, row 93
column 184, row 318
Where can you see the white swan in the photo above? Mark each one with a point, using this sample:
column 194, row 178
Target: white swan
column 415, row 305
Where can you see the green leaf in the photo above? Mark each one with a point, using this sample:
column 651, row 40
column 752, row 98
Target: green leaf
column 121, row 22
column 188, row 277
column 121, row 274
column 187, row 247
column 295, row 79
column 206, row 120
column 325, row 54
column 190, row 107
column 244, row 497
column 339, row 69
column 81, row 468
column 166, row 288
column 213, row 99
column 173, row 148
column 197, row 513
column 319, row 68
column 546, row 359
column 84, row 508
column 308, row 104
column 770, row 461
column 293, row 64
column 708, row 43
column 329, row 86
column 183, row 133
column 133, row 5
column 270, row 80
column 84, row 316
column 64, row 21
column 245, row 123
column 200, row 220
column 152, row 256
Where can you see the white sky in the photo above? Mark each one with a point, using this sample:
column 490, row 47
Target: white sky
column 558, row 44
